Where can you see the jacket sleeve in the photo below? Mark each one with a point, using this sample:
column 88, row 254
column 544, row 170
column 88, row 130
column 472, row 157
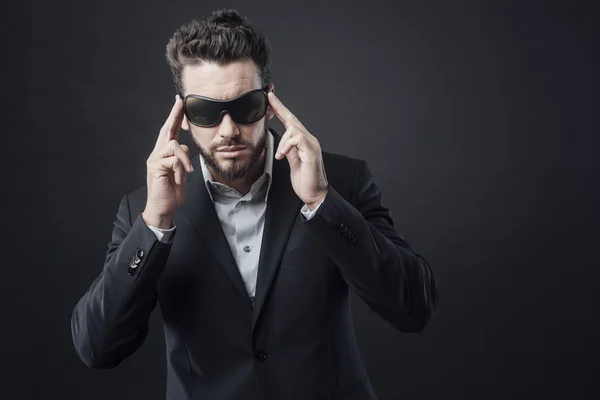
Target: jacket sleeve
column 373, row 258
column 111, row 320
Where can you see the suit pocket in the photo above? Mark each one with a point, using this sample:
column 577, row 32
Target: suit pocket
column 361, row 390
column 300, row 255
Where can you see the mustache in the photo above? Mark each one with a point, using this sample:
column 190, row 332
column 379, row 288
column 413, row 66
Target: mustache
column 232, row 142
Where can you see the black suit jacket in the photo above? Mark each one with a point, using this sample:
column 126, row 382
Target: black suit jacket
column 297, row 340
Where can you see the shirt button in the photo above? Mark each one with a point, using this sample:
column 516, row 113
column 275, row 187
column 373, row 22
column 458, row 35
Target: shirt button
column 247, row 249
column 243, row 202
column 261, row 355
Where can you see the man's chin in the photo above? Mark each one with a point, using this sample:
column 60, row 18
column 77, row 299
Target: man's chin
column 228, row 166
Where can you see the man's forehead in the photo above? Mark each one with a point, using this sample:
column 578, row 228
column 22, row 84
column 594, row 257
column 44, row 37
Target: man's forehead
column 220, row 81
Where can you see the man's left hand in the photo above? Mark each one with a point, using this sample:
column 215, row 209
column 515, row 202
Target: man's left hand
column 303, row 152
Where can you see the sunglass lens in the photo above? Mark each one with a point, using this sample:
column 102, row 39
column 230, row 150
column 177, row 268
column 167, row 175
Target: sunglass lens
column 202, row 112
column 249, row 108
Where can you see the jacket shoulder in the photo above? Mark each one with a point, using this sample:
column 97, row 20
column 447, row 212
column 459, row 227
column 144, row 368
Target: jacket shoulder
column 137, row 200
column 341, row 161
column 341, row 171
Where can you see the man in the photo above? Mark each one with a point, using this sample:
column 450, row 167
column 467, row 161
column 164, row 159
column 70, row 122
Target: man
column 252, row 247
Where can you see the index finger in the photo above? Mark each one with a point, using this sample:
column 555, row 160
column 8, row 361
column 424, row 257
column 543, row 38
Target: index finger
column 283, row 114
column 170, row 129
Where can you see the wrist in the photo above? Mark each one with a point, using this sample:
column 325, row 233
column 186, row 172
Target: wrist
column 315, row 203
column 157, row 220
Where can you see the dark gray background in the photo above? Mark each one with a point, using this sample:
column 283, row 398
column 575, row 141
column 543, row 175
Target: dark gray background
column 478, row 120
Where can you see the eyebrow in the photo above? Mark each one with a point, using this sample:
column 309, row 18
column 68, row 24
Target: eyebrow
column 264, row 88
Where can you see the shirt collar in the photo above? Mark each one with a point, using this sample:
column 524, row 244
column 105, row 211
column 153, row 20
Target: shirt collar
column 208, row 179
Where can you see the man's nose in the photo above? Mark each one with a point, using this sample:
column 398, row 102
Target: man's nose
column 228, row 128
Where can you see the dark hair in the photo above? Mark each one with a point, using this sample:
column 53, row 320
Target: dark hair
column 224, row 37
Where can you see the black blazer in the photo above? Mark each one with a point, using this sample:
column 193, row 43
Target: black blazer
column 297, row 340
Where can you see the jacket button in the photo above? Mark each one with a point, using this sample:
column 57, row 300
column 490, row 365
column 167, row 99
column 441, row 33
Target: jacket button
column 346, row 234
column 261, row 355
column 140, row 253
column 131, row 269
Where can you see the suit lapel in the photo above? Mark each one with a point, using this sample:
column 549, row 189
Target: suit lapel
column 200, row 210
column 283, row 206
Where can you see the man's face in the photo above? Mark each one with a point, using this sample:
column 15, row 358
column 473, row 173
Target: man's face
column 224, row 82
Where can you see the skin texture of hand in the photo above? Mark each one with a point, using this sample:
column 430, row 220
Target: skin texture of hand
column 166, row 168
column 303, row 153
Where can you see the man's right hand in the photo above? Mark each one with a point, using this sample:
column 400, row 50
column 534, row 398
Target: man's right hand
column 167, row 166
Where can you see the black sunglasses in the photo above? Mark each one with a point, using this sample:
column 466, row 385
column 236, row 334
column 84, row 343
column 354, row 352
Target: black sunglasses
column 246, row 108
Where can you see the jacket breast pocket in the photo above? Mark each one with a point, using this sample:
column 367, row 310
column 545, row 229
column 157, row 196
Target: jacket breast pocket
column 361, row 390
column 300, row 255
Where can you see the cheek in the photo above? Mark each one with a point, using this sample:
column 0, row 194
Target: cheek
column 252, row 133
column 203, row 136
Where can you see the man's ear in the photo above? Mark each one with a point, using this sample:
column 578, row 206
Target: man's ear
column 270, row 112
column 185, row 125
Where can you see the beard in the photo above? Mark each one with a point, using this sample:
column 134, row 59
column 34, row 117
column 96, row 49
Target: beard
column 240, row 168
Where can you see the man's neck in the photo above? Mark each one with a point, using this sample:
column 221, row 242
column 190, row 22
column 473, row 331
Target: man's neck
column 244, row 183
